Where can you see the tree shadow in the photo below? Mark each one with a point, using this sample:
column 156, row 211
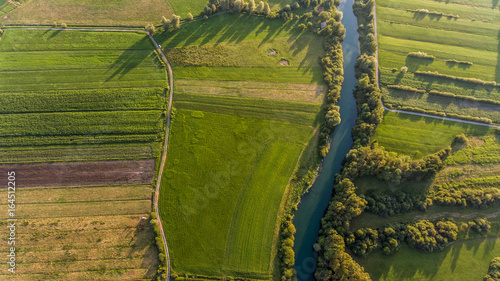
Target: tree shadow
column 142, row 243
column 494, row 4
column 129, row 59
column 414, row 63
column 497, row 69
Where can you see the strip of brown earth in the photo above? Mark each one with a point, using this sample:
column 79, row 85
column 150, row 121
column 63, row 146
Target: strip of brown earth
column 250, row 89
column 79, row 173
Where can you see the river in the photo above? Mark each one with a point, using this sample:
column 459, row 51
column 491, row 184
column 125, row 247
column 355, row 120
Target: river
column 314, row 203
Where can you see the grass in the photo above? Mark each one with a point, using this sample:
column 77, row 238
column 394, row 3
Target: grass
column 467, row 260
column 87, row 12
column 219, row 165
column 472, row 37
column 72, row 88
column 77, row 153
column 60, row 229
column 418, row 136
column 441, row 104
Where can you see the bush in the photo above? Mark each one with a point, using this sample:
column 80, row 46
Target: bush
column 404, row 69
column 189, row 17
column 150, row 28
column 421, row 55
column 493, row 270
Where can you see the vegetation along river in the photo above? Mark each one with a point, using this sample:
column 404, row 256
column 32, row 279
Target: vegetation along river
column 314, row 203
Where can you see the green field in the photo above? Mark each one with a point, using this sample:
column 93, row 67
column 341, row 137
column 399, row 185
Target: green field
column 226, row 210
column 87, row 12
column 418, row 136
column 242, row 121
column 71, row 88
column 83, row 233
column 462, row 261
column 466, row 32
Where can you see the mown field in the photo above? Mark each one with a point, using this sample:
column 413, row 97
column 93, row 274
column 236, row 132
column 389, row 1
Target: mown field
column 78, row 90
column 462, row 36
column 114, row 13
column 83, row 233
column 238, row 133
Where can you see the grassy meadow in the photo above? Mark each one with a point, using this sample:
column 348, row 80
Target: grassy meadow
column 83, row 233
column 77, row 12
column 418, row 136
column 242, row 121
column 462, row 261
column 452, row 32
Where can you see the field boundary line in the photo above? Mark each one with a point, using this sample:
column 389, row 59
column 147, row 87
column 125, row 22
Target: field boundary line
column 377, row 74
column 169, row 111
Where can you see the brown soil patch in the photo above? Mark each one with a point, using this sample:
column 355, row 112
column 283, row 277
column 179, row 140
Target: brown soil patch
column 80, row 173
column 475, row 142
column 284, row 62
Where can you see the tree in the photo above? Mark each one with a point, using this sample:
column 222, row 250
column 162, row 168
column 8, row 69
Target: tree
column 251, row 7
column 333, row 117
column 150, row 28
column 404, row 69
column 237, row 6
column 166, row 23
column 176, row 22
column 267, row 9
column 260, row 8
column 189, row 17
column 296, row 5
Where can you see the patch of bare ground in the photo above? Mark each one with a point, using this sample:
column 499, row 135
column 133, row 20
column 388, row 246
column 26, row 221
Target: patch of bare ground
column 284, row 62
column 251, row 89
column 80, row 173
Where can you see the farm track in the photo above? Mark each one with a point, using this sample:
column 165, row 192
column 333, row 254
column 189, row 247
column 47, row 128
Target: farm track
column 171, row 85
column 409, row 112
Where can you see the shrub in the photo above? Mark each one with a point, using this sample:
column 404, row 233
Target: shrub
column 421, row 55
column 189, row 17
column 404, row 69
column 150, row 28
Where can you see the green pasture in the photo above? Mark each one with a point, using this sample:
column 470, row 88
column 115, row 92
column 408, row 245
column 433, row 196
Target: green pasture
column 394, row 77
column 6, row 141
column 462, row 261
column 418, row 136
column 441, row 104
column 394, row 54
column 463, row 10
column 223, row 221
column 291, row 112
column 261, row 74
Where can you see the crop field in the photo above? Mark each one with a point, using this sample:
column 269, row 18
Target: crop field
column 241, row 113
column 87, row 12
column 218, row 166
column 70, row 87
column 462, row 38
column 462, row 261
column 81, row 109
column 83, row 233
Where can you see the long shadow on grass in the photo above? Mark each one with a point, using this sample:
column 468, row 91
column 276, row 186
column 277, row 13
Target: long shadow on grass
column 497, row 69
column 129, row 59
column 142, row 238
column 414, row 64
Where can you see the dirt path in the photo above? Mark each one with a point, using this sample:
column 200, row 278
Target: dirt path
column 409, row 112
column 171, row 83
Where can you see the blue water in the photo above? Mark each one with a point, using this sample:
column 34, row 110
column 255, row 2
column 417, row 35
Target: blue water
column 313, row 205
